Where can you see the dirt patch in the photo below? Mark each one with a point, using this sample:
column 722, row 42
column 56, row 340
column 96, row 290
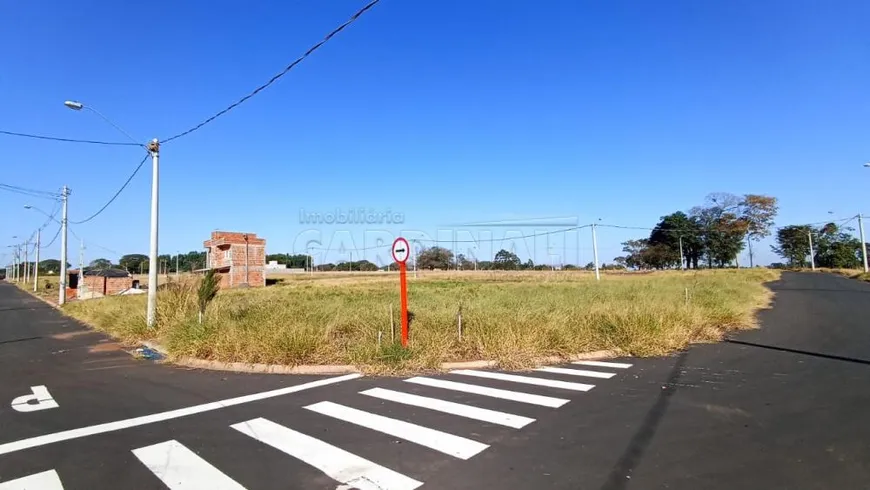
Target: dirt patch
column 107, row 347
column 71, row 335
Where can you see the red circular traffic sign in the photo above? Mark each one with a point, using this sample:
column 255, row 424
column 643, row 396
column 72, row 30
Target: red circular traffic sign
column 401, row 250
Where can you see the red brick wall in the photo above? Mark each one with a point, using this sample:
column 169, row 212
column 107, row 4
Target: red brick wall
column 113, row 285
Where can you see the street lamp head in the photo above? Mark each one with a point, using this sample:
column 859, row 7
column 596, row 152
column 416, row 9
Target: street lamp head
column 867, row 164
column 28, row 206
column 76, row 106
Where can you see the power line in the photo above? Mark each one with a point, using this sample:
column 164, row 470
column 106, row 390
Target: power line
column 29, row 192
column 275, row 78
column 375, row 247
column 67, row 140
column 115, row 196
column 53, row 239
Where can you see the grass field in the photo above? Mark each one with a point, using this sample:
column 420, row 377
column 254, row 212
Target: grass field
column 509, row 317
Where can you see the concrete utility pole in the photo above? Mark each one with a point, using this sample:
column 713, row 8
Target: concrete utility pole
column 595, row 252
column 81, row 286
column 26, row 261
column 64, row 197
column 682, row 261
column 863, row 241
column 812, row 255
column 153, row 261
column 36, row 264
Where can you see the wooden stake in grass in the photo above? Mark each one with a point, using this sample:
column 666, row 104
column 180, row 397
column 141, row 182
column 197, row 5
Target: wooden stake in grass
column 392, row 325
column 459, row 321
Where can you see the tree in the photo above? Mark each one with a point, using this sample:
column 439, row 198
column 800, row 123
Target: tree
column 669, row 232
column 100, row 264
column 134, row 262
column 635, row 253
column 505, row 260
column 722, row 228
column 758, row 212
column 434, row 258
column 836, row 249
column 464, row 263
column 792, row 244
column 51, row 266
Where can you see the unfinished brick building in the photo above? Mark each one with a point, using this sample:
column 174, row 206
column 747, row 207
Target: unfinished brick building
column 95, row 283
column 240, row 258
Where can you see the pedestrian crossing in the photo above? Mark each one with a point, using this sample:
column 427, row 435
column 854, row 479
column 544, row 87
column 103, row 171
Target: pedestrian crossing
column 177, row 466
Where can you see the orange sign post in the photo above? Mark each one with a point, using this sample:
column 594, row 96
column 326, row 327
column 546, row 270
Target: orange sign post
column 401, row 252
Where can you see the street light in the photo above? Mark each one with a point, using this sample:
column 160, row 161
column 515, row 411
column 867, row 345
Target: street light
column 153, row 148
column 867, row 164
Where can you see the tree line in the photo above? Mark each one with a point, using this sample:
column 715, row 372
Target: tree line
column 711, row 234
column 833, row 246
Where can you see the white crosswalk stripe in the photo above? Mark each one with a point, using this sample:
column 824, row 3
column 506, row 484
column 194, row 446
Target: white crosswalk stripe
column 576, row 372
column 550, row 383
column 179, row 468
column 516, row 396
column 456, row 446
column 340, row 465
column 47, row 480
column 616, row 365
column 468, row 411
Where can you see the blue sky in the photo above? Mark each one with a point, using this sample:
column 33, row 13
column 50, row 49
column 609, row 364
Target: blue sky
column 447, row 112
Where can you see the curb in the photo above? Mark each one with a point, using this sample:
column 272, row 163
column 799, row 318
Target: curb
column 257, row 368
column 244, row 367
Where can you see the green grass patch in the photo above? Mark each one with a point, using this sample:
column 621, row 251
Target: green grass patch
column 509, row 317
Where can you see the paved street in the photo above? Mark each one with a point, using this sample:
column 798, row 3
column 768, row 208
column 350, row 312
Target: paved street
column 779, row 407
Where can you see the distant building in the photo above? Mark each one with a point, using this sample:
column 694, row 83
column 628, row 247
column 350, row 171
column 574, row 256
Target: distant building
column 273, row 265
column 240, row 258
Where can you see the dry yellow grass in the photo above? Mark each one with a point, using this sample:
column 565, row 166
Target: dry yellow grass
column 509, row 317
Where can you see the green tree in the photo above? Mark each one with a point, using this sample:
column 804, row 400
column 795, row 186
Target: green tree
column 100, row 264
column 792, row 244
column 670, row 231
column 836, row 248
column 635, row 249
column 134, row 263
column 51, row 266
column 505, row 260
column 434, row 258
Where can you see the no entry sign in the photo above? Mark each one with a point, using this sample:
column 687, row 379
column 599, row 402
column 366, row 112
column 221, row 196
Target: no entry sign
column 401, row 252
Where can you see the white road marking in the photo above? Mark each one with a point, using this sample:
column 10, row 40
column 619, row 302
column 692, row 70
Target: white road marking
column 66, row 435
column 576, row 372
column 516, row 396
column 180, row 468
column 617, row 365
column 468, row 411
column 456, row 446
column 47, row 480
column 340, row 465
column 40, row 395
column 551, row 383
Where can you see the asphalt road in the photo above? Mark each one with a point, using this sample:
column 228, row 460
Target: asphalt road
column 779, row 407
